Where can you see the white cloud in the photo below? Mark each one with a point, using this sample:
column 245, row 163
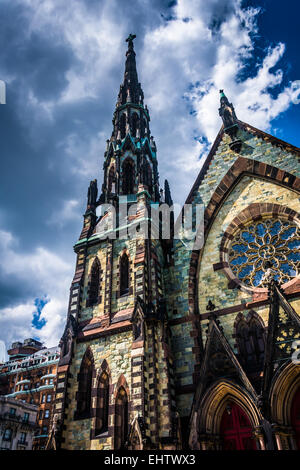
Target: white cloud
column 205, row 44
column 68, row 212
column 178, row 54
column 182, row 63
column 51, row 276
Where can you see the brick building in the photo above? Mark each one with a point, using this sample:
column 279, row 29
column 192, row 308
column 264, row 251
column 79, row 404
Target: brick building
column 17, row 424
column 29, row 376
column 170, row 344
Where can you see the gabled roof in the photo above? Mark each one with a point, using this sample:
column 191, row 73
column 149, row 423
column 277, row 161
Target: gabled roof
column 220, row 362
column 248, row 128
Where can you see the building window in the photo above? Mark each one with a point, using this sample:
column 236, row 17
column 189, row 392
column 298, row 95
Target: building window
column 124, row 274
column 43, row 398
column 263, row 246
column 147, row 175
column 23, row 437
column 111, row 179
column 44, row 429
column 26, row 417
column 102, row 404
column 49, row 398
column 134, row 124
column 123, row 125
column 46, row 415
column 250, row 338
column 12, row 411
column 7, row 435
column 121, row 419
column 85, row 385
column 128, row 176
column 94, row 283
column 41, row 414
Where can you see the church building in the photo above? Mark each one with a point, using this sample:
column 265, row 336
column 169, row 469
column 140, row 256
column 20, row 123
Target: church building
column 173, row 344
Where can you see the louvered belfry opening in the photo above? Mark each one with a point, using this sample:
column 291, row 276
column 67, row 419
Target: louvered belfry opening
column 128, row 176
column 124, row 274
column 94, row 289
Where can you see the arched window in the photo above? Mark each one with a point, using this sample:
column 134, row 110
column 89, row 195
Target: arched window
column 257, row 335
column 128, row 176
column 121, row 419
column 251, row 343
column 123, row 125
column 102, row 403
column 147, row 175
column 243, row 340
column 134, row 124
column 85, row 378
column 94, row 283
column 111, row 177
column 124, row 274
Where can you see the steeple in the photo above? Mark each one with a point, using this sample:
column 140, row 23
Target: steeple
column 130, row 98
column 226, row 111
column 230, row 121
column 130, row 158
column 130, row 90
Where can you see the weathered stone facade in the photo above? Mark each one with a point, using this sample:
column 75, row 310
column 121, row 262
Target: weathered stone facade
column 167, row 347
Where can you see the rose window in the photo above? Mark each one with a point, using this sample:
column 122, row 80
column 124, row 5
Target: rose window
column 264, row 247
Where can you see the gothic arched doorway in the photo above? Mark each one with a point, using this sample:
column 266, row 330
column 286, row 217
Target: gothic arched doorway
column 295, row 417
column 236, row 429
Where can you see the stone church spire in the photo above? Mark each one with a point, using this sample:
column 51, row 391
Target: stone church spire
column 130, row 90
column 130, row 159
column 130, row 99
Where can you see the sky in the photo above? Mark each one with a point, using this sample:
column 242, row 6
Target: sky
column 63, row 62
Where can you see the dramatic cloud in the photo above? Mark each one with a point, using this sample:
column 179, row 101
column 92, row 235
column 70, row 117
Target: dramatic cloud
column 63, row 63
column 39, row 273
column 207, row 46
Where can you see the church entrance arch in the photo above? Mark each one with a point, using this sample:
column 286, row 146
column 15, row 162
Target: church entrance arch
column 236, row 430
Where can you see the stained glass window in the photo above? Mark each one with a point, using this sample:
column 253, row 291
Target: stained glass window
column 268, row 244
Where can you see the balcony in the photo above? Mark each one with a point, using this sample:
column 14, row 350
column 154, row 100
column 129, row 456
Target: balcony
column 11, row 417
column 24, row 381
column 17, row 419
column 28, row 424
column 48, row 376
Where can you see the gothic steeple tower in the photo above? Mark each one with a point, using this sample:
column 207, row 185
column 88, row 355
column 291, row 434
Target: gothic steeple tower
column 130, row 157
column 116, row 338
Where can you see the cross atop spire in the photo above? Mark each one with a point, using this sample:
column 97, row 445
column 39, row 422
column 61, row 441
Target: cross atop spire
column 130, row 39
column 130, row 90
